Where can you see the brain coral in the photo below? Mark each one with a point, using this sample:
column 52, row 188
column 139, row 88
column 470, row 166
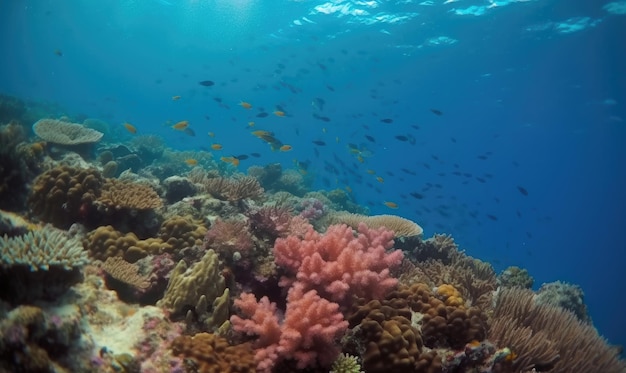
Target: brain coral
column 65, row 133
column 63, row 195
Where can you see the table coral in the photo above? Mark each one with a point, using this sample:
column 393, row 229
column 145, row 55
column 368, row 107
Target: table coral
column 339, row 264
column 65, row 133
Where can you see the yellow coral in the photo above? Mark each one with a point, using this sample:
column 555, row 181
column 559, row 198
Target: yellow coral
column 450, row 295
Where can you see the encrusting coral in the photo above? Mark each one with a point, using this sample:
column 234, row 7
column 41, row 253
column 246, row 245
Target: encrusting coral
column 212, row 354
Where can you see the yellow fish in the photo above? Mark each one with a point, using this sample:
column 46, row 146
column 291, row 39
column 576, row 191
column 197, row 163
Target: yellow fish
column 211, row 134
column 380, row 179
column 130, row 128
column 245, row 105
column 216, row 146
column 250, row 124
column 181, row 125
column 175, row 98
column 232, row 160
column 285, row 148
column 391, row 205
column 279, row 113
column 371, row 172
column 191, row 162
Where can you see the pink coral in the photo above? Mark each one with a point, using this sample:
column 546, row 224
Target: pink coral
column 339, row 264
column 306, row 335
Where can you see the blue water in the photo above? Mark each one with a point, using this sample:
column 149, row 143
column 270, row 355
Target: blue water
column 536, row 88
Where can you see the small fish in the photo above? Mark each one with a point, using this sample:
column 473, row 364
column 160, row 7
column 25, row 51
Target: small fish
column 232, row 160
column 380, row 179
column 211, row 134
column 262, row 134
column 522, row 190
column 190, row 132
column 250, row 124
column 191, row 162
column 279, row 113
column 130, row 128
column 245, row 105
column 241, row 157
column 436, row 112
column 180, row 126
column 255, row 155
column 262, row 114
column 416, row 195
column 387, row 120
column 216, row 146
column 58, row 52
column 371, row 172
column 492, row 217
column 391, row 205
column 402, row 138
column 370, row 138
column 285, row 148
column 319, row 142
column 175, row 98
column 207, row 83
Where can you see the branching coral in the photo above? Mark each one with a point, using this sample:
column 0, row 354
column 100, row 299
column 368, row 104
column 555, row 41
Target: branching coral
column 339, row 264
column 307, row 334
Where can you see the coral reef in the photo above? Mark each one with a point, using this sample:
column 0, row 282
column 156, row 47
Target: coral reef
column 232, row 189
column 120, row 195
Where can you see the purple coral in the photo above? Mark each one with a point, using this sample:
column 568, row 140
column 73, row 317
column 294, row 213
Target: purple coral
column 312, row 209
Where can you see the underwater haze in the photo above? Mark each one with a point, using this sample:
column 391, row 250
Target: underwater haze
column 500, row 122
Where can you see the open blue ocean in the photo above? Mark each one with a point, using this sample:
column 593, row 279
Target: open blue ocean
column 499, row 122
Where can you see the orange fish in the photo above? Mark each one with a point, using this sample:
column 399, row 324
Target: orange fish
column 279, row 113
column 380, row 179
column 181, row 125
column 130, row 128
column 175, row 98
column 245, row 105
column 232, row 160
column 285, row 148
column 216, row 146
column 261, row 134
column 391, row 205
column 191, row 162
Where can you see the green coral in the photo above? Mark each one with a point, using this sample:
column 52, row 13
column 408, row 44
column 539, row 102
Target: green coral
column 515, row 277
column 346, row 364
